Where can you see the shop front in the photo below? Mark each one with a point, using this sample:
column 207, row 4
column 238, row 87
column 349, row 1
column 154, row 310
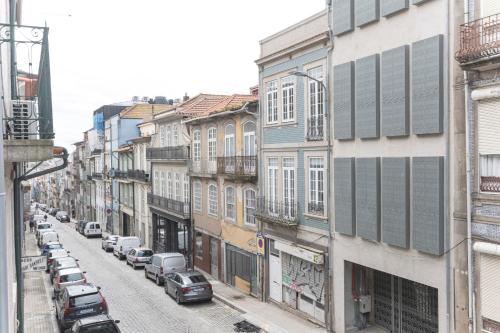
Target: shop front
column 241, row 270
column 170, row 234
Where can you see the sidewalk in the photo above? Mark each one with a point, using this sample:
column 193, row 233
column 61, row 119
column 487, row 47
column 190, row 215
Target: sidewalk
column 267, row 316
column 38, row 308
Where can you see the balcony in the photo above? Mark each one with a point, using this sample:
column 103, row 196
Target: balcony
column 316, row 208
column 479, row 41
column 490, row 184
column 120, row 174
column 315, row 128
column 168, row 153
column 170, row 205
column 96, row 175
column 282, row 213
column 203, row 168
column 139, row 175
column 89, row 177
column 237, row 166
column 27, row 122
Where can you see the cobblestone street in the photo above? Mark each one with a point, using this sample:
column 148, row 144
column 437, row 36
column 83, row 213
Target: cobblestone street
column 139, row 304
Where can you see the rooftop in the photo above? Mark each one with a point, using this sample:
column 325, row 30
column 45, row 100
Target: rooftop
column 144, row 111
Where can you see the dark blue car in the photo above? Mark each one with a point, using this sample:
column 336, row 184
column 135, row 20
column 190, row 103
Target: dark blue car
column 50, row 246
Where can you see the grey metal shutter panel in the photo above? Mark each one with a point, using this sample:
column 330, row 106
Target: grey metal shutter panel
column 427, row 86
column 428, row 204
column 366, row 11
column 488, row 113
column 396, row 201
column 367, row 116
column 368, row 198
column 344, row 196
column 343, row 16
column 343, row 101
column 395, row 103
column 390, row 7
column 490, row 286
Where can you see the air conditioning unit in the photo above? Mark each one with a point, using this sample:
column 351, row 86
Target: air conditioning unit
column 25, row 120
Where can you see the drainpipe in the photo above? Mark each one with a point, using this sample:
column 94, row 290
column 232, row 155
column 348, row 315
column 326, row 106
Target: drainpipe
column 4, row 286
column 59, row 152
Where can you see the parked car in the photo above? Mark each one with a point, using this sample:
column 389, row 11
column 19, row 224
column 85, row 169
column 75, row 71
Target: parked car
column 40, row 234
column 62, row 263
column 53, row 211
column 108, row 242
column 81, row 226
column 92, row 229
column 189, row 286
column 68, row 277
column 163, row 264
column 42, row 226
column 77, row 302
column 100, row 323
column 62, row 216
column 139, row 257
column 124, row 244
column 50, row 246
column 48, row 236
column 53, row 254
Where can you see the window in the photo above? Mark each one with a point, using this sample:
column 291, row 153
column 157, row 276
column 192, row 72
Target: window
column 162, row 135
column 169, row 137
column 197, row 196
column 198, row 244
column 229, row 149
column 230, row 206
column 272, row 183
column 490, row 173
column 175, row 134
column 163, row 184
column 212, row 144
column 316, row 186
column 156, row 184
column 196, row 145
column 250, row 206
column 212, row 199
column 249, row 141
column 287, row 92
column 272, row 102
column 316, row 103
column 169, row 186
column 186, row 189
column 289, row 187
column 178, row 196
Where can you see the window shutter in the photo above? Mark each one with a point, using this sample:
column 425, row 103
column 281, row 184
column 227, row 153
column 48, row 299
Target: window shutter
column 489, row 126
column 490, row 287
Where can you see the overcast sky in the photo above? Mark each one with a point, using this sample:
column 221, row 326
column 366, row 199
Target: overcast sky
column 106, row 51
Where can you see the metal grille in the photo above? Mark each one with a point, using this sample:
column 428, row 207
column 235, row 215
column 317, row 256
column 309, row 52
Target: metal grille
column 383, row 299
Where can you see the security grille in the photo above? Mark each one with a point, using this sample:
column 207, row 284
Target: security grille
column 24, row 120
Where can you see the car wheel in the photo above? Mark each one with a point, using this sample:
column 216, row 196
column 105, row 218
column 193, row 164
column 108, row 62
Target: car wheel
column 177, row 298
column 157, row 280
column 146, row 274
column 133, row 266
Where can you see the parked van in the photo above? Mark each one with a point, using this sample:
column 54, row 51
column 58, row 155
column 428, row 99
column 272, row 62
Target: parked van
column 125, row 244
column 163, row 264
column 42, row 226
column 47, row 237
column 92, row 229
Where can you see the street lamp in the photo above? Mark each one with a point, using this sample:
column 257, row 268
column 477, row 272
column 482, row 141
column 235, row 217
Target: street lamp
column 302, row 74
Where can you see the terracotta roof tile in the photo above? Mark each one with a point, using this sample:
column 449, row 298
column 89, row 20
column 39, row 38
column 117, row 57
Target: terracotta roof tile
column 143, row 111
column 206, row 104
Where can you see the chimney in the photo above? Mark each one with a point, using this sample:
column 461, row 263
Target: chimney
column 185, row 98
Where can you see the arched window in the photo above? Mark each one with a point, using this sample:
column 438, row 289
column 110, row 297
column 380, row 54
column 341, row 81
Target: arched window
column 196, row 145
column 250, row 205
column 230, row 203
column 212, row 199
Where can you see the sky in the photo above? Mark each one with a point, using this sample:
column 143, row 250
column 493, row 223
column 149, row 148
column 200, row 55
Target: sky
column 106, row 51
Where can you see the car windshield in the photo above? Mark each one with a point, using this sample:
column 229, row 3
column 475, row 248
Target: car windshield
column 145, row 253
column 197, row 278
column 44, row 226
column 98, row 328
column 71, row 277
column 84, row 299
column 54, row 246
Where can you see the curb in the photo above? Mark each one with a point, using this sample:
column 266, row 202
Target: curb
column 228, row 303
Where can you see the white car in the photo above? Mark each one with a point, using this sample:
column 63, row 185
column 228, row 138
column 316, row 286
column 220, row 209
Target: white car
column 108, row 242
column 92, row 229
column 125, row 244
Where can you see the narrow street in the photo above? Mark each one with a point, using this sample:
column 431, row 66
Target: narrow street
column 139, row 304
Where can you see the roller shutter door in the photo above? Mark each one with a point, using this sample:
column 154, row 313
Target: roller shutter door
column 489, row 126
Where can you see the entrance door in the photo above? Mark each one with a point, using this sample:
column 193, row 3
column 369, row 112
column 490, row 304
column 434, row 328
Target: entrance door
column 275, row 288
column 125, row 224
column 214, row 258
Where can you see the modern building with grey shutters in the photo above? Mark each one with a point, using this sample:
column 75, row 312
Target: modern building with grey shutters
column 398, row 207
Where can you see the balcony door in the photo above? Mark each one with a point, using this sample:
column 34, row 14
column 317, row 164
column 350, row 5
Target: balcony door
column 289, row 188
column 249, row 147
column 229, row 149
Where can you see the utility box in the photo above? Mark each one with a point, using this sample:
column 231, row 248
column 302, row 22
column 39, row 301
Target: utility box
column 365, row 304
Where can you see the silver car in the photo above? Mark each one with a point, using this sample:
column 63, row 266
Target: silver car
column 60, row 264
column 189, row 286
column 109, row 242
column 68, row 277
column 139, row 257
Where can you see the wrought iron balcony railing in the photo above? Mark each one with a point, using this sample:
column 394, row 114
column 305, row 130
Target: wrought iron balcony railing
column 203, row 167
column 317, row 208
column 315, row 128
column 168, row 153
column 237, row 165
column 173, row 206
column 479, row 39
column 97, row 175
column 29, row 116
column 89, row 177
column 490, row 184
column 139, row 175
column 284, row 213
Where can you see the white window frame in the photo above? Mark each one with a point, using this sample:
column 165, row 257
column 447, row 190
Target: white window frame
column 212, row 143
column 230, row 203
column 197, row 145
column 212, row 200
column 175, row 135
column 162, row 135
column 288, row 99
column 197, row 196
column 314, row 185
column 246, row 207
column 163, row 184
column 316, row 109
column 185, row 189
column 288, row 172
column 178, row 194
column 229, row 141
column 169, row 185
column 272, row 102
column 272, row 184
column 169, row 136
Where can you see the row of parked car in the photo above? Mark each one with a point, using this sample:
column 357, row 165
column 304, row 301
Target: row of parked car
column 60, row 215
column 80, row 306
column 167, row 269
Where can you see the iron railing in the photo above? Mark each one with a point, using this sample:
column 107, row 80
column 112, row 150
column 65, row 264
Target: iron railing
column 120, row 174
column 237, row 165
column 479, row 39
column 317, row 208
column 284, row 213
column 97, row 175
column 168, row 153
column 203, row 167
column 176, row 207
column 490, row 184
column 29, row 115
column 89, row 177
column 315, row 128
column 139, row 175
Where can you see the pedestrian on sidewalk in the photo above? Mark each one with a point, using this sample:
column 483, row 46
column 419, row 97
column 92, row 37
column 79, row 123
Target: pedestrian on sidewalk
column 32, row 225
